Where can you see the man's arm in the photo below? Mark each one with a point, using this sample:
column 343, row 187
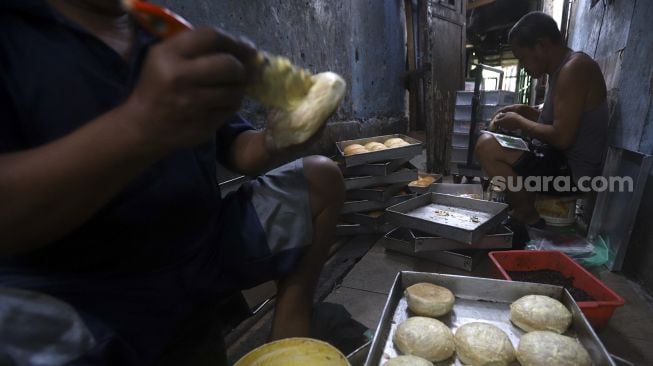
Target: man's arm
column 189, row 87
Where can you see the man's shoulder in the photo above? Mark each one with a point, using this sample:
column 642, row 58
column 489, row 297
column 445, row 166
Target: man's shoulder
column 580, row 64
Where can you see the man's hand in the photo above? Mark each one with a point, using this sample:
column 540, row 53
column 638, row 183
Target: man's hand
column 508, row 121
column 523, row 110
column 190, row 86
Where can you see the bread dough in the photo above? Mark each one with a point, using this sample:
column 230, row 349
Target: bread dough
column 408, row 360
column 354, row 149
column 543, row 348
column 423, row 181
column 427, row 299
column 482, row 344
column 424, row 337
column 539, row 312
column 375, row 146
column 393, row 141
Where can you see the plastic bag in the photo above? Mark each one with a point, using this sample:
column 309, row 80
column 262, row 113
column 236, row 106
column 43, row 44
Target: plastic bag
column 569, row 243
column 599, row 256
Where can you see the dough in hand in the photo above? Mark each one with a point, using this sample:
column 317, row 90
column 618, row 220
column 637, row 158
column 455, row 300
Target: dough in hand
column 543, row 348
column 424, row 337
column 427, row 299
column 539, row 312
column 354, row 149
column 375, row 146
column 481, row 344
column 408, row 360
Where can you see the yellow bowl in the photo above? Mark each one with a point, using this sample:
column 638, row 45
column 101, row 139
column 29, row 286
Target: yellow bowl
column 294, row 352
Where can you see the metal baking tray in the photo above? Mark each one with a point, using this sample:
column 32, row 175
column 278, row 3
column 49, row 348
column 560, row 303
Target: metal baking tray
column 463, row 190
column 400, row 176
column 421, row 190
column 414, row 148
column 367, row 205
column 462, row 219
column 373, row 218
column 380, row 194
column 374, row 169
column 346, row 229
column 499, row 237
column 478, row 299
column 460, row 259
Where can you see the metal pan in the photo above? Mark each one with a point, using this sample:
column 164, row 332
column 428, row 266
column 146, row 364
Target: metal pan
column 380, row 194
column 367, row 205
column 460, row 259
column 400, row 176
column 498, row 238
column 477, row 299
column 413, row 187
column 463, row 190
column 373, row 218
column 462, row 219
column 414, row 148
column 374, row 169
column 346, row 229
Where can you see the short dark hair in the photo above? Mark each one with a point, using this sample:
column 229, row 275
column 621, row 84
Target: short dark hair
column 532, row 27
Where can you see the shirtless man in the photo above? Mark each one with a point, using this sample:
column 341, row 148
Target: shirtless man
column 569, row 133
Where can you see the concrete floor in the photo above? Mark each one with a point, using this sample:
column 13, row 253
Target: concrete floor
column 363, row 292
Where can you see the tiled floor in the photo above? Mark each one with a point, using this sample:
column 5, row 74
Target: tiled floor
column 363, row 292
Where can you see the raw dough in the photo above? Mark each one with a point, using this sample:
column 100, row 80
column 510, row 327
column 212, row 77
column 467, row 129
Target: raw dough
column 427, row 299
column 354, row 149
column 482, row 344
column 543, row 348
column 408, row 360
column 375, row 146
column 424, row 337
column 539, row 312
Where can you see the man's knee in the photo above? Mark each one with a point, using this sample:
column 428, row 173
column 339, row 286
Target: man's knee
column 486, row 147
column 325, row 180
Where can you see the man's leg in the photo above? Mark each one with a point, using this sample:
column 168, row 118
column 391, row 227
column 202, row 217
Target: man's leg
column 295, row 292
column 497, row 162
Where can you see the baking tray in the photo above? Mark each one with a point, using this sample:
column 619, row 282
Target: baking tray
column 478, row 299
column 368, row 205
column 421, row 213
column 373, row 218
column 460, row 259
column 427, row 189
column 400, row 176
column 499, row 237
column 347, row 229
column 374, row 169
column 464, row 190
column 380, row 194
column 414, row 148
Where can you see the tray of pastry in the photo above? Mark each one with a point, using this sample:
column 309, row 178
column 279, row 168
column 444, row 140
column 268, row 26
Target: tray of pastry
column 371, row 218
column 478, row 300
column 381, row 193
column 378, row 148
column 374, row 169
column 369, row 205
column 499, row 237
column 424, row 182
column 461, row 219
column 404, row 175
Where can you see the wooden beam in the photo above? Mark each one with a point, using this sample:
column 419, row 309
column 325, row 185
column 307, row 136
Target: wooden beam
column 473, row 4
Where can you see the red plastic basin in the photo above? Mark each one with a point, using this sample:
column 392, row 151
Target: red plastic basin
column 597, row 312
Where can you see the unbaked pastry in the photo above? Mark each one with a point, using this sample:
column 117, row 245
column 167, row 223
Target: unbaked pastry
column 543, row 348
column 375, row 146
column 482, row 344
column 539, row 312
column 424, row 337
column 408, row 360
column 354, row 149
column 427, row 299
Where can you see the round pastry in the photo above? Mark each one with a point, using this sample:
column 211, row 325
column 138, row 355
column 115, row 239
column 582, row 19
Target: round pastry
column 354, row 149
column 394, row 141
column 427, row 299
column 483, row 344
column 543, row 348
column 408, row 360
column 375, row 146
column 424, row 337
column 539, row 312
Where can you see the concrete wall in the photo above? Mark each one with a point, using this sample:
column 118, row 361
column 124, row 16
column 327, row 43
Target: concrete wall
column 362, row 40
column 619, row 37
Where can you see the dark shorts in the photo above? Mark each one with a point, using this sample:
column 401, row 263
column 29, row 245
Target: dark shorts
column 544, row 161
column 261, row 233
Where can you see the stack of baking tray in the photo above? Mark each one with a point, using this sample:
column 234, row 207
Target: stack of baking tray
column 375, row 180
column 451, row 229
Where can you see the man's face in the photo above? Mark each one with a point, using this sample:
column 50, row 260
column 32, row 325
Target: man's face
column 532, row 59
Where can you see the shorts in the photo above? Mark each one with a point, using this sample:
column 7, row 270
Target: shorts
column 544, row 161
column 260, row 234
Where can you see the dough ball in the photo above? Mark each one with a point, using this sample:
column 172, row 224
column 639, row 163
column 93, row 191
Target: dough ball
column 482, row 344
column 538, row 312
column 543, row 348
column 354, row 149
column 427, row 299
column 375, row 146
column 424, row 337
column 408, row 360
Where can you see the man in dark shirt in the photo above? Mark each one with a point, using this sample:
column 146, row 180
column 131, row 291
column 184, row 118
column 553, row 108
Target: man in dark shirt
column 107, row 179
